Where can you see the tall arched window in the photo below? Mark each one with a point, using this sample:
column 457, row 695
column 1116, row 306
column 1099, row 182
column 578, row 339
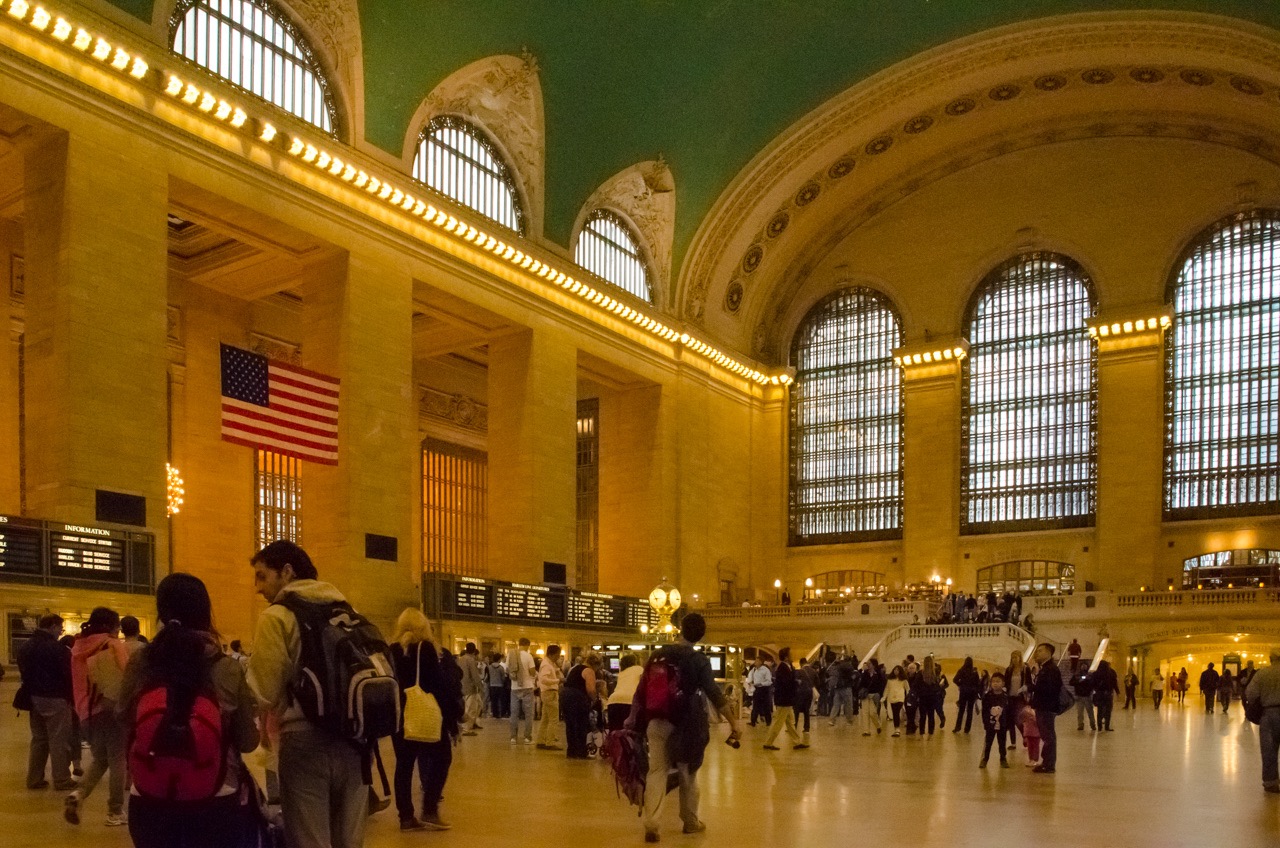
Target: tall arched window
column 253, row 44
column 1030, row 396
column 607, row 249
column 846, row 422
column 456, row 159
column 1222, row 418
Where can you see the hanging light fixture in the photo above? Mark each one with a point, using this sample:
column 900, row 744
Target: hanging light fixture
column 176, row 490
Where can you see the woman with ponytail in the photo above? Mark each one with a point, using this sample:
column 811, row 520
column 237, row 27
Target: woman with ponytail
column 191, row 715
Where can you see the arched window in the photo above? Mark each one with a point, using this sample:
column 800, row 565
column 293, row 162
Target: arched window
column 1027, row 576
column 1222, row 412
column 457, row 160
column 1030, row 397
column 846, row 422
column 253, row 44
column 607, row 249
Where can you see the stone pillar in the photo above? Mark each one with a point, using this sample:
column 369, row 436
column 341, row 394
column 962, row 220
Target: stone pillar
column 533, row 383
column 96, row 291
column 931, row 461
column 636, row 525
column 357, row 326
column 1130, row 445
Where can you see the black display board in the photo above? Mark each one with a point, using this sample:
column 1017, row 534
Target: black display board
column 452, row 596
column 56, row 553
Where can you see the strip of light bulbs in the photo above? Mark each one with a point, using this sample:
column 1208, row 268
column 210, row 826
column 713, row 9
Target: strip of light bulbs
column 929, row 357
column 196, row 97
column 1124, row 328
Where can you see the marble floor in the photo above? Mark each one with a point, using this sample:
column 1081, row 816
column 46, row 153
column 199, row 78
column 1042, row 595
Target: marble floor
column 1173, row 778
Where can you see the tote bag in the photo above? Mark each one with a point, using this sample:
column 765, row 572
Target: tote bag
column 422, row 717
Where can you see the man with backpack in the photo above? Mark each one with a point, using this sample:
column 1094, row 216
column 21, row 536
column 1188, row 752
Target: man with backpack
column 670, row 710
column 325, row 674
column 1080, row 682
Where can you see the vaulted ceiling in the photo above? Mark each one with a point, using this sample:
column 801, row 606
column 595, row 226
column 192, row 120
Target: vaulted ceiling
column 707, row 84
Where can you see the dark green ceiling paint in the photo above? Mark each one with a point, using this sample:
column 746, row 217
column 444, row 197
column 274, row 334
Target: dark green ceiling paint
column 706, row 83
column 140, row 9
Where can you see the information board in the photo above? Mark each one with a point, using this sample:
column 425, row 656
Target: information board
column 54, row 553
column 475, row 598
column 596, row 610
column 19, row 547
column 528, row 603
column 79, row 551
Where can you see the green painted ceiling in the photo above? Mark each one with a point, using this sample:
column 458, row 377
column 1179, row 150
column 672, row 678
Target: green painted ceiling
column 705, row 83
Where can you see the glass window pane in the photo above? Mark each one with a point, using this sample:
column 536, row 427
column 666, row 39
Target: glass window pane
column 607, row 249
column 457, row 160
column 253, row 44
column 1030, row 399
column 1222, row 391
column 846, row 422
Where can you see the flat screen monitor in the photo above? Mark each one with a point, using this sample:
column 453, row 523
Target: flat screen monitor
column 717, row 665
column 615, row 664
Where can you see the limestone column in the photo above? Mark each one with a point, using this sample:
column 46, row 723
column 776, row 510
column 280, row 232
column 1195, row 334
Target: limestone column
column 357, row 326
column 931, row 461
column 532, row 454
column 636, row 517
column 96, row 290
column 1130, row 444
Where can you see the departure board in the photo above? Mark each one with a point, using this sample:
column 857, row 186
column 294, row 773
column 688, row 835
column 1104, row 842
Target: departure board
column 87, row 551
column 597, row 610
column 529, row 603
column 494, row 600
column 19, row 546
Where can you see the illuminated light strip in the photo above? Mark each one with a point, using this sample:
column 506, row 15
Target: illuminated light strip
column 217, row 108
column 929, row 357
column 1124, row 328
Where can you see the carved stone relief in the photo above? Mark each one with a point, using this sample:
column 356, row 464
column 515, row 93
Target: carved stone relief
column 455, row 409
column 645, row 194
column 503, row 95
column 277, row 349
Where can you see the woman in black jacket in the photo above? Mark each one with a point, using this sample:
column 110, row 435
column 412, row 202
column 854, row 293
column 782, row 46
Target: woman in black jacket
column 418, row 662
column 968, row 683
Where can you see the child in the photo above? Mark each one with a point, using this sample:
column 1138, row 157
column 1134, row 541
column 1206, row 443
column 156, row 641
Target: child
column 1031, row 736
column 995, row 719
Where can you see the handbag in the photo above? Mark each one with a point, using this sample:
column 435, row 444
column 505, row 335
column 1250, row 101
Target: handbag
column 22, row 699
column 423, row 721
column 1253, row 710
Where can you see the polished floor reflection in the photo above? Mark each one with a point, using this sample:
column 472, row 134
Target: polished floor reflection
column 1173, row 778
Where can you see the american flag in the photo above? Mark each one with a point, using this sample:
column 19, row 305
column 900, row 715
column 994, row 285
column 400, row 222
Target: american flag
column 278, row 407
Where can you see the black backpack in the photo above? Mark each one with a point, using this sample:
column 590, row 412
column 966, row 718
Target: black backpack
column 346, row 681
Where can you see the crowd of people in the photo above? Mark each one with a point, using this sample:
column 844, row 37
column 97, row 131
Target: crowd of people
column 169, row 724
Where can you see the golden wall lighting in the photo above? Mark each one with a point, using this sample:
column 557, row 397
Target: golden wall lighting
column 225, row 111
column 176, row 490
column 1126, row 328
column 929, row 357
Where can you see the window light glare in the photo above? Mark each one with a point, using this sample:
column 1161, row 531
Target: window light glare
column 82, row 39
column 268, row 132
column 140, row 68
column 18, row 9
column 101, row 50
column 61, row 29
column 40, row 18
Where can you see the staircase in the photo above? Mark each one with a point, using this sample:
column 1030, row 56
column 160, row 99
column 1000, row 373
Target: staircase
column 991, row 644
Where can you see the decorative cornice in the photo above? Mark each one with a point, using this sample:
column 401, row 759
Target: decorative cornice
column 457, row 410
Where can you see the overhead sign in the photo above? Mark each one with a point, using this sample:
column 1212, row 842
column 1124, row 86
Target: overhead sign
column 453, row 596
column 56, row 553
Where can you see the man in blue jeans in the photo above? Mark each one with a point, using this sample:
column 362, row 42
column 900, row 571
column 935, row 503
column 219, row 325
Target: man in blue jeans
column 521, row 670
column 1265, row 690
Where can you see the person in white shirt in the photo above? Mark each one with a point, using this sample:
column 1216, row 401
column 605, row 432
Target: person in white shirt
column 521, row 670
column 619, row 705
column 550, row 677
column 762, row 698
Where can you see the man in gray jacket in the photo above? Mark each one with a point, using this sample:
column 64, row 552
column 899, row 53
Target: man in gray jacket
column 322, row 790
column 1264, row 689
column 472, row 689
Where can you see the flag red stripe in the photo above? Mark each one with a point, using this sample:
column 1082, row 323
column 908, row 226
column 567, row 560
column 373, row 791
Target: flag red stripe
column 283, row 411
column 305, row 386
column 277, row 434
column 304, row 401
column 289, row 426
